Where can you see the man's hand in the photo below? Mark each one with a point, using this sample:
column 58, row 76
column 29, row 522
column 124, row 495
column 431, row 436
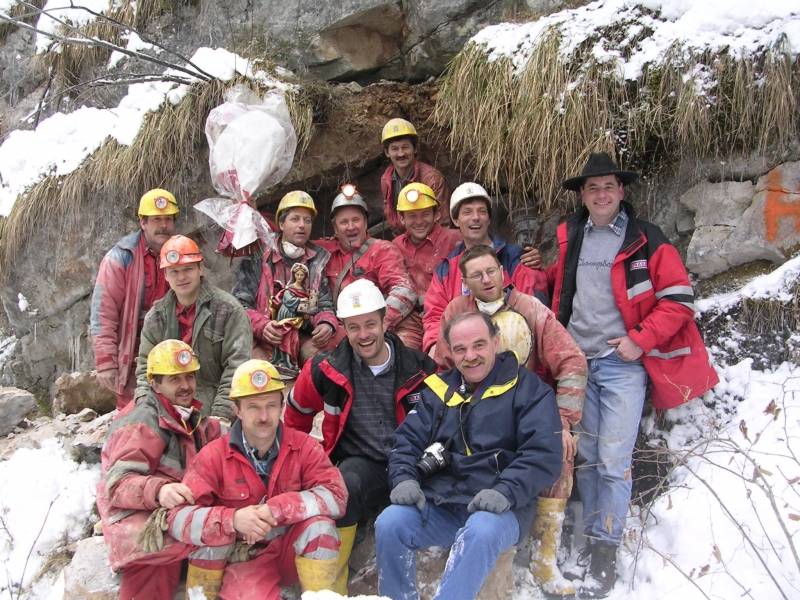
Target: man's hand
column 272, row 333
column 108, row 379
column 568, row 441
column 174, row 494
column 407, row 493
column 626, row 348
column 253, row 522
column 322, row 334
column 489, row 500
column 531, row 257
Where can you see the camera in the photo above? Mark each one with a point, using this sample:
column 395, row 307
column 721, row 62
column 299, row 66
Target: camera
column 435, row 458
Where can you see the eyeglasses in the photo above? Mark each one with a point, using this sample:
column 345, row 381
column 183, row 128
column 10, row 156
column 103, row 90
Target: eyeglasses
column 490, row 272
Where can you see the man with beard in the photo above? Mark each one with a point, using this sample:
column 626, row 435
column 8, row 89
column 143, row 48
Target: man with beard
column 365, row 388
column 355, row 255
column 542, row 344
column 202, row 315
column 260, row 278
column 128, row 283
column 149, row 446
column 467, row 465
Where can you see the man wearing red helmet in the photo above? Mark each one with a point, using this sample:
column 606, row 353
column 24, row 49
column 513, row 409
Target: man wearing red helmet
column 202, row 315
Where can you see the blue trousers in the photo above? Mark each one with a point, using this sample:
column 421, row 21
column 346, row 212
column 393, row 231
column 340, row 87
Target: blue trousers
column 612, row 410
column 476, row 540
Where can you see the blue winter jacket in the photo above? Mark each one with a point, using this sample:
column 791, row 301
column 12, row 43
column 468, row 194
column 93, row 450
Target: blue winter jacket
column 511, row 438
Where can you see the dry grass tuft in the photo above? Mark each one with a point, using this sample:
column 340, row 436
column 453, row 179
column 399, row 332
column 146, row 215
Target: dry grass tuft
column 524, row 131
column 23, row 13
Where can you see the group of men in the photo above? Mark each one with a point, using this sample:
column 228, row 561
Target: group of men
column 455, row 403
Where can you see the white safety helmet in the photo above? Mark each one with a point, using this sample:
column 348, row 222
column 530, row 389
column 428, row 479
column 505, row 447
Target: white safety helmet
column 348, row 196
column 467, row 191
column 359, row 298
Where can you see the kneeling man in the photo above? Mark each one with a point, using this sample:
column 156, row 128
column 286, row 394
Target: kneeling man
column 459, row 483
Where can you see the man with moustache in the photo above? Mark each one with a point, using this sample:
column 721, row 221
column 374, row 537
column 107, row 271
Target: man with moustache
column 471, row 211
column 544, row 346
column 149, row 446
column 365, row 387
column 202, row 315
column 260, row 278
column 265, row 500
column 128, row 283
column 399, row 138
column 355, row 255
column 467, row 465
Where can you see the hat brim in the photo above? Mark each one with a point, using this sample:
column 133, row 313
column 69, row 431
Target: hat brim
column 574, row 183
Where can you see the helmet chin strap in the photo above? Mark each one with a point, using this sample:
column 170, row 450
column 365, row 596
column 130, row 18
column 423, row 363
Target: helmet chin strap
column 290, row 250
column 489, row 308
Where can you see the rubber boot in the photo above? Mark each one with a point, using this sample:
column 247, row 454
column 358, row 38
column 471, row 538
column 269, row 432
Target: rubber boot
column 316, row 574
column 602, row 571
column 209, row 580
column 347, row 537
column 547, row 530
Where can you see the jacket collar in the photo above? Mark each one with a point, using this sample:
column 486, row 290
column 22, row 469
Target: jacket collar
column 448, row 385
column 130, row 241
column 498, row 244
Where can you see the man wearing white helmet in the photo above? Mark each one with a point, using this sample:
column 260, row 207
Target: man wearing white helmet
column 365, row 387
column 355, row 255
column 261, row 277
column 471, row 211
column 129, row 282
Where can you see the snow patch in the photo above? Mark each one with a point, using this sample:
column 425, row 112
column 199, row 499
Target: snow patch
column 134, row 44
column 56, row 12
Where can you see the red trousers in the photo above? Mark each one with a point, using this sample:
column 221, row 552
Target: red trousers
column 155, row 577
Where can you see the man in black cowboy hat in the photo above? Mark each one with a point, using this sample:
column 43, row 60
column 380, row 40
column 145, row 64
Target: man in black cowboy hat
column 623, row 293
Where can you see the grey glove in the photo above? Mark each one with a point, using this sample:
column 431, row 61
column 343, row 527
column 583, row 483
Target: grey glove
column 408, row 492
column 490, row 501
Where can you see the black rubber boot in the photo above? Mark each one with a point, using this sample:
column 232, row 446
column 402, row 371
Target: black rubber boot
column 578, row 568
column 602, row 574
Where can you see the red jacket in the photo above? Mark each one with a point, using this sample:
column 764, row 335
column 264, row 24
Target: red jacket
column 446, row 285
column 302, row 484
column 655, row 298
column 117, row 306
column 383, row 265
column 423, row 173
column 325, row 384
column 259, row 278
column 146, row 448
column 423, row 259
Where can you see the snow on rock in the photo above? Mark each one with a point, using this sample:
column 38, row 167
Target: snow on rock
column 46, row 503
column 61, row 143
column 651, row 27
column 135, row 44
column 70, row 11
column 7, row 5
column 22, row 302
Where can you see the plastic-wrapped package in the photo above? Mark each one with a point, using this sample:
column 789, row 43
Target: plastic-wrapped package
column 251, row 144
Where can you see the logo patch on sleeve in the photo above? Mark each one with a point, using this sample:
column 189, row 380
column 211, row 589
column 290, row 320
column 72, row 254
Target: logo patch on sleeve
column 639, row 264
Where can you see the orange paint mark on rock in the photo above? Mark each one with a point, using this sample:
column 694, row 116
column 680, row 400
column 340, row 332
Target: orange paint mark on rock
column 778, row 206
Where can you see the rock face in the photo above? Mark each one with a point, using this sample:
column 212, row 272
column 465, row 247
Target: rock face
column 740, row 222
column 76, row 391
column 88, row 576
column 15, row 405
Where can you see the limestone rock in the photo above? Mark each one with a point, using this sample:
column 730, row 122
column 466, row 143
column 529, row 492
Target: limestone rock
column 15, row 405
column 77, row 391
column 90, row 437
column 88, row 576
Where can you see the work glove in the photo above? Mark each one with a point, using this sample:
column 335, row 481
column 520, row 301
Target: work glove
column 408, row 492
column 151, row 538
column 490, row 501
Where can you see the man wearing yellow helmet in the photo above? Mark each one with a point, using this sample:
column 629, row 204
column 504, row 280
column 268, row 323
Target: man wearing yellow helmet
column 128, row 284
column 200, row 314
column 149, row 446
column 542, row 344
column 266, row 485
column 399, row 139
column 260, row 278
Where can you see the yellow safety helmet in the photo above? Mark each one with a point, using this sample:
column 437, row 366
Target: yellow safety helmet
column 158, row 202
column 295, row 199
column 416, row 196
column 397, row 128
column 254, row 377
column 514, row 334
column 171, row 357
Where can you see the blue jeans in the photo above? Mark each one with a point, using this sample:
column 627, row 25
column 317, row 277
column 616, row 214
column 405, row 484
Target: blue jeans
column 476, row 539
column 612, row 410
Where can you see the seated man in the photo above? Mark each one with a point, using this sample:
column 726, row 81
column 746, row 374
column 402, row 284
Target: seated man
column 202, row 315
column 365, row 387
column 544, row 346
column 149, row 446
column 268, row 486
column 471, row 210
column 457, row 482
